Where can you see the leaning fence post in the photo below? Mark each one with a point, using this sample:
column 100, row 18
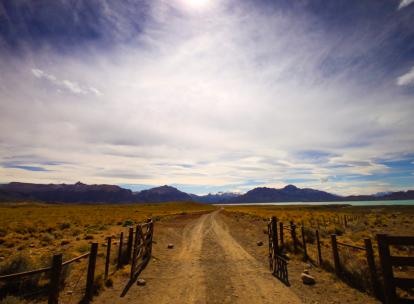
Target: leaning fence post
column 274, row 235
column 55, row 275
column 135, row 252
column 129, row 245
column 318, row 245
column 372, row 269
column 281, row 235
column 305, row 252
column 335, row 255
column 293, row 232
column 108, row 256
column 121, row 240
column 91, row 272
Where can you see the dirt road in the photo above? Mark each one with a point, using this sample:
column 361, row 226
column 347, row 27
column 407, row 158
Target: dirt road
column 207, row 266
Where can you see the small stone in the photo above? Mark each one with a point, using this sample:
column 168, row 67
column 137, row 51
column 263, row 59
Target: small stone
column 170, row 246
column 69, row 292
column 31, row 245
column 307, row 279
column 306, row 271
column 259, row 243
column 141, row 282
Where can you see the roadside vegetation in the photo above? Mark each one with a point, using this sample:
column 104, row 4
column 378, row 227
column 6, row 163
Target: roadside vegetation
column 31, row 233
column 351, row 224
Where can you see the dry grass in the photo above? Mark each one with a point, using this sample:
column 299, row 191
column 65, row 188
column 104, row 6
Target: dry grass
column 31, row 233
column 363, row 222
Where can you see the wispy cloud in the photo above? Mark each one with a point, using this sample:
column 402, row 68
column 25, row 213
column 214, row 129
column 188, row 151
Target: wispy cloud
column 405, row 3
column 407, row 79
column 236, row 96
column 70, row 86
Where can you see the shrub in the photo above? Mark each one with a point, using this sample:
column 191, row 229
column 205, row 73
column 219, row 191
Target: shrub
column 109, row 282
column 19, row 263
column 339, row 230
column 128, row 222
column 11, row 300
column 98, row 284
column 310, row 236
column 3, row 232
column 63, row 226
column 83, row 248
column 47, row 238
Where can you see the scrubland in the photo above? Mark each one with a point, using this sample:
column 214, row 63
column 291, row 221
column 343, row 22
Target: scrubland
column 31, row 233
column 361, row 222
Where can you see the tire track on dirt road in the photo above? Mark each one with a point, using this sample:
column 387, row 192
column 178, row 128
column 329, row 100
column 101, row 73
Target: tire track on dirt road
column 250, row 280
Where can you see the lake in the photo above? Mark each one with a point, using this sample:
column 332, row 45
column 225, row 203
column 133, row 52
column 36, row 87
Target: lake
column 353, row 203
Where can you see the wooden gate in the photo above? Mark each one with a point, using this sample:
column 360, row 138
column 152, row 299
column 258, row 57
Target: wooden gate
column 142, row 248
column 391, row 283
column 277, row 264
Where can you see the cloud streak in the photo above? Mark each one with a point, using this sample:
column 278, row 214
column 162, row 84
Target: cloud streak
column 70, row 86
column 405, row 3
column 407, row 79
column 238, row 95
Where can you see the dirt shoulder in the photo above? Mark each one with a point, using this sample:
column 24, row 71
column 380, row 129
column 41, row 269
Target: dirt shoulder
column 215, row 259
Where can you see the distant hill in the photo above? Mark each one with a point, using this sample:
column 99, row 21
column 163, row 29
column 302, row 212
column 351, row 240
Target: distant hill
column 289, row 193
column 162, row 194
column 64, row 193
column 82, row 193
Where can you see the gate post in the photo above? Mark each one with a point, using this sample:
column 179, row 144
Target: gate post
column 384, row 253
column 372, row 270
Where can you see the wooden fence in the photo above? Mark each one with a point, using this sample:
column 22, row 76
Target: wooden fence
column 56, row 271
column 386, row 292
column 388, row 261
column 137, row 253
column 369, row 254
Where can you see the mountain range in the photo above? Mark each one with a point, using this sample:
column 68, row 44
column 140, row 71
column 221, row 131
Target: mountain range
column 82, row 193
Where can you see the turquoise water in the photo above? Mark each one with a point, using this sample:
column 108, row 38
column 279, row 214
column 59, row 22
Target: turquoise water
column 353, row 203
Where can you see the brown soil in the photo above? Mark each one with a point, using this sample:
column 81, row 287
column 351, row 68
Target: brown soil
column 215, row 259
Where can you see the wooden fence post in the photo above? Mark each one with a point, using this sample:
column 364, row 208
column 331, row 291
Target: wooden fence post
column 281, row 236
column 335, row 255
column 293, row 233
column 121, row 240
column 318, row 245
column 129, row 245
column 305, row 252
column 372, row 269
column 55, row 276
column 345, row 221
column 108, row 256
column 274, row 236
column 387, row 274
column 91, row 272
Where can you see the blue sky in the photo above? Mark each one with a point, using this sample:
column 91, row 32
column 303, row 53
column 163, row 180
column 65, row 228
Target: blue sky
column 209, row 95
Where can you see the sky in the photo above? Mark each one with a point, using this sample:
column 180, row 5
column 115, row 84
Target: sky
column 208, row 95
